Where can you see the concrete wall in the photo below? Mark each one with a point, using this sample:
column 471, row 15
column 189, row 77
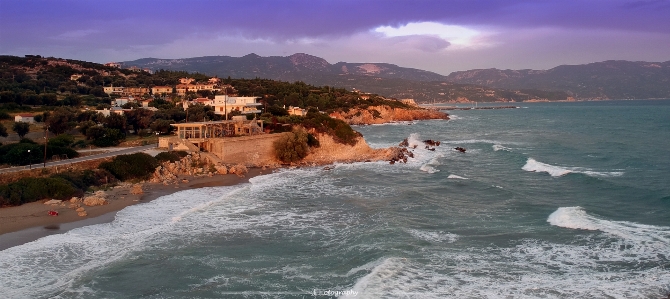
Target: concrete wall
column 255, row 150
column 177, row 145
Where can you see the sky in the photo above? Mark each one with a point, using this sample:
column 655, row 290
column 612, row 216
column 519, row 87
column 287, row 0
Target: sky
column 441, row 36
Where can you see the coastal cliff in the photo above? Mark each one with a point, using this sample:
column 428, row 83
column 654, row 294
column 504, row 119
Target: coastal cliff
column 331, row 151
column 385, row 114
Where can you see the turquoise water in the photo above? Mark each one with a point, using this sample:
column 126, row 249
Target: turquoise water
column 553, row 200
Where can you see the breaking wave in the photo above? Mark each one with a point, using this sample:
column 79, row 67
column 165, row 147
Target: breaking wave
column 577, row 218
column 533, row 165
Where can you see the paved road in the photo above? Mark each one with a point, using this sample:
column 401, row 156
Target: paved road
column 87, row 158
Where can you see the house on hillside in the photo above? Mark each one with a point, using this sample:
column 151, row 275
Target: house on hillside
column 122, row 101
column 26, row 118
column 224, row 104
column 113, row 90
column 296, row 111
column 157, row 90
column 203, row 101
column 113, row 64
column 135, row 91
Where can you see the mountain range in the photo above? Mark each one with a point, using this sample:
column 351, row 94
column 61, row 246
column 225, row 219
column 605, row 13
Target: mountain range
column 601, row 80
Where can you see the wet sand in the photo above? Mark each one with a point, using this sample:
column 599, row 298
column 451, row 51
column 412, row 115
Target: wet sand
column 29, row 222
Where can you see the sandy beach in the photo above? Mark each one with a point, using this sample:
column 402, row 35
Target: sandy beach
column 29, row 222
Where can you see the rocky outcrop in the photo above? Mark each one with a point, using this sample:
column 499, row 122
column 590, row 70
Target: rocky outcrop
column 194, row 164
column 386, row 114
column 239, row 169
column 331, row 151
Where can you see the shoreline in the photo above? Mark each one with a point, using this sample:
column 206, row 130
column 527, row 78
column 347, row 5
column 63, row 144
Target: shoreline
column 28, row 222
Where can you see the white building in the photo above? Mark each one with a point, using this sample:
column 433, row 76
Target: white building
column 122, row 101
column 26, row 118
column 224, row 104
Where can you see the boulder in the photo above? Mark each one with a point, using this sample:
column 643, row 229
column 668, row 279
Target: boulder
column 82, row 214
column 221, row 169
column 75, row 200
column 136, row 189
column 95, row 201
column 239, row 170
column 81, row 209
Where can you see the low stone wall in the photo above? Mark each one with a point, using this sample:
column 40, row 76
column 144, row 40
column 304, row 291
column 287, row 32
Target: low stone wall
column 248, row 150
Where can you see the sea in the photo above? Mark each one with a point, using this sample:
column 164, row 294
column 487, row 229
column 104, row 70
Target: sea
column 550, row 200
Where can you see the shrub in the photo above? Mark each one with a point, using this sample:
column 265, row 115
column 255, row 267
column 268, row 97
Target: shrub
column 133, row 166
column 104, row 137
column 62, row 140
column 61, row 151
column 32, row 189
column 17, row 153
column 87, row 178
column 168, row 156
column 312, row 141
column 340, row 130
column 292, row 147
column 4, row 115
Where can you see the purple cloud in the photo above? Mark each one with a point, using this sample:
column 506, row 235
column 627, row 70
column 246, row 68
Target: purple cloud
column 105, row 30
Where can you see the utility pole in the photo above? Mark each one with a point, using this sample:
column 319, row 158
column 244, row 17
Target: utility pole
column 46, row 141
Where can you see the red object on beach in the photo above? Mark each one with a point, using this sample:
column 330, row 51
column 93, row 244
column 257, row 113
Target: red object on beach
column 53, row 213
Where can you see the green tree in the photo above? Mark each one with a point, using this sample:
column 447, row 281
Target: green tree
column 60, row 120
column 115, row 121
column 162, row 125
column 292, row 147
column 104, row 137
column 21, row 128
column 139, row 119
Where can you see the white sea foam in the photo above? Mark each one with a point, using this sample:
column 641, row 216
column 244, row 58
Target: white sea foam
column 433, row 236
column 434, row 161
column 532, row 269
column 414, row 140
column 473, row 141
column 533, row 165
column 373, row 285
column 429, row 169
column 453, row 176
column 577, row 218
column 54, row 262
column 498, row 147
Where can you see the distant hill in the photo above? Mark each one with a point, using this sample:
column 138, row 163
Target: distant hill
column 613, row 79
column 381, row 78
column 297, row 67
